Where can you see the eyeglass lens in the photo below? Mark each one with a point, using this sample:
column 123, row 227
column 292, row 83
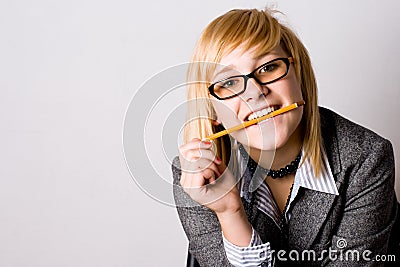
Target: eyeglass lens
column 264, row 74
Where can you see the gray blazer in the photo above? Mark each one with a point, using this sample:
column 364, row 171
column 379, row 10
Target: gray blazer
column 363, row 213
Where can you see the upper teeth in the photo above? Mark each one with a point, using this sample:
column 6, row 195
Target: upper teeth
column 261, row 113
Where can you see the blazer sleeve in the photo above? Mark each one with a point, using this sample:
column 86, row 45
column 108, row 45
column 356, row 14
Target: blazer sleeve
column 200, row 224
column 369, row 207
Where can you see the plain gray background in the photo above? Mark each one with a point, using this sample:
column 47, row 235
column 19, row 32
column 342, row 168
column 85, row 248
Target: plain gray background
column 68, row 70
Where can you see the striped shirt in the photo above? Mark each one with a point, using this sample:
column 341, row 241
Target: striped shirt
column 259, row 253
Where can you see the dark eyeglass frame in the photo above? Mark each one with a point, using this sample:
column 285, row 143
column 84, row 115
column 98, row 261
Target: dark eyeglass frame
column 287, row 61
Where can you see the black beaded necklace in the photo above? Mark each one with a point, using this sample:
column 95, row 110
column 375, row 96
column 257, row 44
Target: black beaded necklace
column 288, row 169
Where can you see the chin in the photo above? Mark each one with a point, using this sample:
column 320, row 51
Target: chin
column 264, row 147
column 269, row 144
column 266, row 138
column 262, row 139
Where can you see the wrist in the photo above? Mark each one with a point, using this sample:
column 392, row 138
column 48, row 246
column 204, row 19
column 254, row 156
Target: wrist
column 232, row 214
column 236, row 227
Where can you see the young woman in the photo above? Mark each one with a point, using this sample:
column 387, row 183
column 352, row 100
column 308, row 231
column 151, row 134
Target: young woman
column 306, row 187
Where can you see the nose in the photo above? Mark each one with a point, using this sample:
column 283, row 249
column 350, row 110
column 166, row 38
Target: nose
column 254, row 90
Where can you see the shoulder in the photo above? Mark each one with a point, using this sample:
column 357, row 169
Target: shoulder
column 176, row 170
column 350, row 136
column 354, row 148
column 345, row 129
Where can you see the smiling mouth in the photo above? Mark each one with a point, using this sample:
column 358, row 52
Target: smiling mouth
column 263, row 112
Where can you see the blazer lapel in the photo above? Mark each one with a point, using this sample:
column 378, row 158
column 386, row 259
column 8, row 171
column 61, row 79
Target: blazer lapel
column 308, row 217
column 312, row 207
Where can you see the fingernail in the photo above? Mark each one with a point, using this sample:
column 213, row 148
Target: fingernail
column 207, row 142
column 218, row 159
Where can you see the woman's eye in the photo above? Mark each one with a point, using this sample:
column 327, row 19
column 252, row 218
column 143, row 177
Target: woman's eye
column 229, row 83
column 269, row 68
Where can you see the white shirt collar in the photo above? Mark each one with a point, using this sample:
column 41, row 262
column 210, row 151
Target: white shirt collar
column 323, row 183
column 304, row 177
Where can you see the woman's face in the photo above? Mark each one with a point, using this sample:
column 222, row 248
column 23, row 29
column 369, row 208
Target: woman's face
column 270, row 134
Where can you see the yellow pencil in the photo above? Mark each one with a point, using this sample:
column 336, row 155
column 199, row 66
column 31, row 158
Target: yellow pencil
column 256, row 120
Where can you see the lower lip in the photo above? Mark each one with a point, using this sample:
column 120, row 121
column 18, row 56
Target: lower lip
column 265, row 121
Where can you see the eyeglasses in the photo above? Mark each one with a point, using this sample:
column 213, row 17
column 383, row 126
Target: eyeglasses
column 265, row 74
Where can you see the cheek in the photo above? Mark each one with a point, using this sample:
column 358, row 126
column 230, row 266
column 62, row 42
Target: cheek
column 227, row 112
column 294, row 87
column 286, row 126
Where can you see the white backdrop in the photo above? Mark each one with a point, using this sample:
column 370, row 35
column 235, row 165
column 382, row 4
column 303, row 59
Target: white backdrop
column 68, row 70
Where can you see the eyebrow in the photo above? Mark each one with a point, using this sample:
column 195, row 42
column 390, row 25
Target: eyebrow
column 225, row 69
column 261, row 56
column 265, row 55
column 232, row 67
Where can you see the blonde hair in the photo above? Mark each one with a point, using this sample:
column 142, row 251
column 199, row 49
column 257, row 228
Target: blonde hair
column 257, row 29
